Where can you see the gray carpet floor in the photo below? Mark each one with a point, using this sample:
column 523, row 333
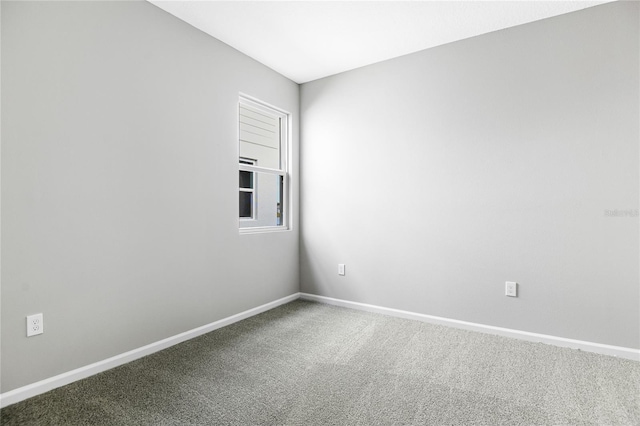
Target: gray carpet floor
column 312, row 364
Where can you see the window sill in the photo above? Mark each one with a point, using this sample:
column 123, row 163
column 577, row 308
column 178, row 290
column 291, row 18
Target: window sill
column 263, row 229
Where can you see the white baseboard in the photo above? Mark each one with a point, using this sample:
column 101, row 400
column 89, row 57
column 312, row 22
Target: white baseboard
column 617, row 351
column 46, row 385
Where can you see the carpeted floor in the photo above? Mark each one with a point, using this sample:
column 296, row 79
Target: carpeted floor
column 312, row 364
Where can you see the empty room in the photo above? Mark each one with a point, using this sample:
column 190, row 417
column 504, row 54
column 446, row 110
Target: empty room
column 320, row 213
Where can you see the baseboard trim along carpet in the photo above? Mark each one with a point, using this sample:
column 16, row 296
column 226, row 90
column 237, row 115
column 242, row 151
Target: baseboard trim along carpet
column 617, row 351
column 46, row 385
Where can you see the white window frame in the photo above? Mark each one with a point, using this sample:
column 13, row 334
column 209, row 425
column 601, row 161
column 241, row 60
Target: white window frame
column 283, row 172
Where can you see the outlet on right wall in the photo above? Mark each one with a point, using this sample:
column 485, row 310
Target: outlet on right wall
column 512, row 156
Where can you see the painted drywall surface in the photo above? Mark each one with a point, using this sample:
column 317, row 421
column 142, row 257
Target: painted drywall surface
column 119, row 183
column 438, row 176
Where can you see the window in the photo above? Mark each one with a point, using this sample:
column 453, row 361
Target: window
column 263, row 178
column 247, row 191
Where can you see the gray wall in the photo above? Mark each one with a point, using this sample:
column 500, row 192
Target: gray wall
column 119, row 183
column 438, row 176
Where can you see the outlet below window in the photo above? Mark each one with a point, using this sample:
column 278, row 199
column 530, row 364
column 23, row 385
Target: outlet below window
column 340, row 268
column 35, row 325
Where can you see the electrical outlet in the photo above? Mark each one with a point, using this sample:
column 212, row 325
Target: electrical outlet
column 340, row 268
column 35, row 325
column 511, row 289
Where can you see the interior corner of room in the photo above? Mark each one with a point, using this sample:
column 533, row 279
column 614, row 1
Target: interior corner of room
column 434, row 179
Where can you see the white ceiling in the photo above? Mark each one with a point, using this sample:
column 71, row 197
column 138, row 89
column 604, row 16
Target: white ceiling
column 307, row 40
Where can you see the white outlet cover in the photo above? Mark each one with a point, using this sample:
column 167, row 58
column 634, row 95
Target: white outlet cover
column 340, row 268
column 511, row 289
column 35, row 325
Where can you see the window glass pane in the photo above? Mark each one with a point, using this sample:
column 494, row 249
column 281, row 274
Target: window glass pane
column 246, row 179
column 246, row 204
column 260, row 136
column 269, row 207
column 279, row 213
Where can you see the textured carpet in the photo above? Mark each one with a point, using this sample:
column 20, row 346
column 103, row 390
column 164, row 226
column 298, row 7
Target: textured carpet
column 313, row 364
